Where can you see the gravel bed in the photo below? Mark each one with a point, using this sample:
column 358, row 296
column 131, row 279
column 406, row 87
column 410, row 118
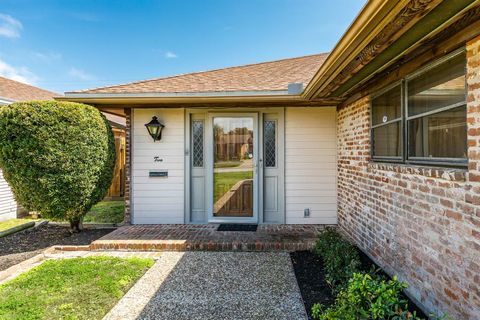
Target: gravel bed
column 25, row 244
column 215, row 285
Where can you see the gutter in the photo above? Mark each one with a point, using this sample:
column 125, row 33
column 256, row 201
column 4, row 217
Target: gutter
column 126, row 100
column 275, row 96
column 362, row 30
column 174, row 94
column 5, row 101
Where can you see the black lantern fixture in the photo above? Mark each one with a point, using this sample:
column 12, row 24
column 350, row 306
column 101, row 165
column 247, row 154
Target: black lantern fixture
column 155, row 129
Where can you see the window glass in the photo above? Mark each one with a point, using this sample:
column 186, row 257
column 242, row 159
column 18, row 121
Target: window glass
column 386, row 107
column 441, row 86
column 387, row 140
column 197, row 143
column 269, row 143
column 440, row 135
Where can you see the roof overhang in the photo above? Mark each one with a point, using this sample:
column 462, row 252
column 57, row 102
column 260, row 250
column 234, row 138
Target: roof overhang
column 193, row 98
column 5, row 101
column 384, row 32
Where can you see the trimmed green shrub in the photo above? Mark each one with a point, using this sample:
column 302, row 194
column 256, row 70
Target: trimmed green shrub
column 58, row 157
column 340, row 259
column 367, row 298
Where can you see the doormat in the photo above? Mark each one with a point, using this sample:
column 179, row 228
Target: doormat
column 237, row 227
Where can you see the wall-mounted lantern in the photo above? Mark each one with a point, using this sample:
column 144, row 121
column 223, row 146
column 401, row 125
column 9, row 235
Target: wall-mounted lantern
column 155, row 129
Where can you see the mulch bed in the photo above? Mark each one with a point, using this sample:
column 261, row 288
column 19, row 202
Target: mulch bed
column 310, row 275
column 25, row 244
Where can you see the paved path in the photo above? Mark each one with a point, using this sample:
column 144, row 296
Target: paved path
column 245, row 165
column 215, row 285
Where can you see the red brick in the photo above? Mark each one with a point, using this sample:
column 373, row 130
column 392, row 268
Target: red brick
column 404, row 215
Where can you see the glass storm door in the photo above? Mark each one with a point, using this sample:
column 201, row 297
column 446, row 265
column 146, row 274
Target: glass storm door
column 234, row 176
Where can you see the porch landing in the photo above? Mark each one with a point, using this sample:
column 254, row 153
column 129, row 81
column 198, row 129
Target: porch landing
column 205, row 237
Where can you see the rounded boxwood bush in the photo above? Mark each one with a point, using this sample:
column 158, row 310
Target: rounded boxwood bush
column 58, row 157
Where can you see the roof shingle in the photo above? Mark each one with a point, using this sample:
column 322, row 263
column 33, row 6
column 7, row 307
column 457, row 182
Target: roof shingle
column 266, row 76
column 17, row 91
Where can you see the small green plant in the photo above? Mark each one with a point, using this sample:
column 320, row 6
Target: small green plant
column 367, row 298
column 341, row 259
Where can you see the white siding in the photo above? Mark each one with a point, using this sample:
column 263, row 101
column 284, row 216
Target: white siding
column 8, row 206
column 158, row 200
column 310, row 165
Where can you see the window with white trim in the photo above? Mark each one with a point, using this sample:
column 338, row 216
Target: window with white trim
column 422, row 119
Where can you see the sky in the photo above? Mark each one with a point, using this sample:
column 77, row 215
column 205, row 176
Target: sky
column 64, row 45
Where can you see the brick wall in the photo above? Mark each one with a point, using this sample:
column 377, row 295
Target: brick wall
column 420, row 223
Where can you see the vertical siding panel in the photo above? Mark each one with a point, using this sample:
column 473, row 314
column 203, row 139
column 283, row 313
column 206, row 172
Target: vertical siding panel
column 8, row 206
column 152, row 203
column 310, row 165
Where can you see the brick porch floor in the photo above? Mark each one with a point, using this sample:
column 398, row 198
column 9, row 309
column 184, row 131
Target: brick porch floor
column 205, row 237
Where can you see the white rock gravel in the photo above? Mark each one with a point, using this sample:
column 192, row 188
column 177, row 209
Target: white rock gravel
column 215, row 285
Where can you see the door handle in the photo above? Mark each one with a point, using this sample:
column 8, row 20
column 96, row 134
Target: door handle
column 256, row 165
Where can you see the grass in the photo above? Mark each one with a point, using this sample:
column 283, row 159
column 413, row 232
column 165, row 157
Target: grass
column 78, row 288
column 106, row 212
column 227, row 164
column 5, row 225
column 225, row 180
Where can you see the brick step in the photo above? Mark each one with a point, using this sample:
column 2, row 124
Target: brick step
column 187, row 245
column 204, row 237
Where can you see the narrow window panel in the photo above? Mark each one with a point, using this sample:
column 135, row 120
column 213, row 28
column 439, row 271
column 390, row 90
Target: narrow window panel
column 440, row 135
column 269, row 132
column 387, row 140
column 387, row 106
column 439, row 87
column 197, row 143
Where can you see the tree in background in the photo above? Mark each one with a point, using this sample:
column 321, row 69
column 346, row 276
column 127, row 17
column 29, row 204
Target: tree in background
column 58, row 157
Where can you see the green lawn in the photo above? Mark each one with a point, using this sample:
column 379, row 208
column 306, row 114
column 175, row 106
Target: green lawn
column 79, row 288
column 227, row 164
column 4, row 225
column 106, row 212
column 225, row 180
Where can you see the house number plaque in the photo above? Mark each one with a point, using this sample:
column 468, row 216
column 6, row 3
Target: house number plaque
column 158, row 174
column 157, row 159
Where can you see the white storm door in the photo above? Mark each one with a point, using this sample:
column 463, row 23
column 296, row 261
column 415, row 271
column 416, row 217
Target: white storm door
column 232, row 167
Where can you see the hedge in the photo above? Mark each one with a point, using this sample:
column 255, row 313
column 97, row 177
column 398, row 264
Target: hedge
column 58, row 157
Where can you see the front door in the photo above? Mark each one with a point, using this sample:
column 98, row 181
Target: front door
column 233, row 169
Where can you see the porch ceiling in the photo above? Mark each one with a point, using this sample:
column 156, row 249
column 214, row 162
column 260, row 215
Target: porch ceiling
column 383, row 34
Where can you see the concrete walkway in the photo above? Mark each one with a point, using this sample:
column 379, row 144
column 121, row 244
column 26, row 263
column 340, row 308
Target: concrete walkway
column 215, row 285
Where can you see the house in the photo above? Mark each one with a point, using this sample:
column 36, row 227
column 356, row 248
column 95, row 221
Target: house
column 12, row 91
column 381, row 137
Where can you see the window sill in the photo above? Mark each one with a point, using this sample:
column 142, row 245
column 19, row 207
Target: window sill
column 429, row 171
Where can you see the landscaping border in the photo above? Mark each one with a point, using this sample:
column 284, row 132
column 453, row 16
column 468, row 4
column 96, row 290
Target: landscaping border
column 90, row 225
column 18, row 228
column 336, row 278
